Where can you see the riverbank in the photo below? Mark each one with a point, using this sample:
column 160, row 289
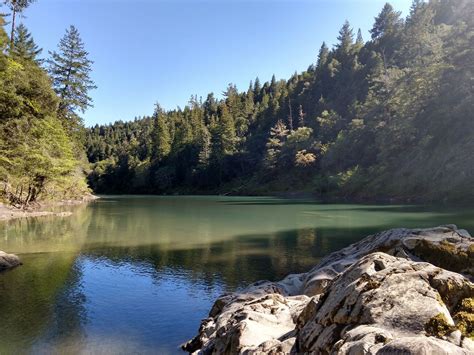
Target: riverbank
column 403, row 290
column 41, row 209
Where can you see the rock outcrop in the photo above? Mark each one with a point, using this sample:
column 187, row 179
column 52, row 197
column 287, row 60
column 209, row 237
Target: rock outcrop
column 8, row 261
column 397, row 292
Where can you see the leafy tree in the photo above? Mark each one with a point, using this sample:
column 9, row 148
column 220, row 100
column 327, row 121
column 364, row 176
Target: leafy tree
column 37, row 159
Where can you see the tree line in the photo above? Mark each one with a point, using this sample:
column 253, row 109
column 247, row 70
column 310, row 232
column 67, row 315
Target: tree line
column 41, row 133
column 388, row 117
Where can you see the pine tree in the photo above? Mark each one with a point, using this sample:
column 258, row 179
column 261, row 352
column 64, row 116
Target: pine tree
column 273, row 85
column 70, row 70
column 345, row 38
column 301, row 116
column 257, row 88
column 205, row 152
column 385, row 34
column 359, row 40
column 322, row 56
column 290, row 115
column 25, row 47
column 278, row 134
column 161, row 142
column 224, row 139
column 387, row 22
column 16, row 7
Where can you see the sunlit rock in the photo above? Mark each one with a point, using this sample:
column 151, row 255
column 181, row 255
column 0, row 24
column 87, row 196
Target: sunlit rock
column 375, row 296
column 8, row 261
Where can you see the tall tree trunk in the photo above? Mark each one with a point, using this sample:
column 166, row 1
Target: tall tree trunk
column 12, row 34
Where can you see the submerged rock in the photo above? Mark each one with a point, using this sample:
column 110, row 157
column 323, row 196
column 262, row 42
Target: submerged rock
column 8, row 261
column 377, row 296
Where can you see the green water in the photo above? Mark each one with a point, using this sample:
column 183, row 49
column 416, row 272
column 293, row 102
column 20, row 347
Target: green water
column 137, row 274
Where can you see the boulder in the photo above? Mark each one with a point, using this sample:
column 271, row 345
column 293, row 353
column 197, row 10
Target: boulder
column 399, row 291
column 381, row 304
column 8, row 261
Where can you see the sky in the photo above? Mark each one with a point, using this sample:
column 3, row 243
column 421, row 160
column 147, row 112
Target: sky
column 148, row 51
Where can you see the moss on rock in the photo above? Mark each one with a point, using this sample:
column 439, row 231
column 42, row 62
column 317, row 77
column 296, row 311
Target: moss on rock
column 464, row 317
column 446, row 255
column 438, row 326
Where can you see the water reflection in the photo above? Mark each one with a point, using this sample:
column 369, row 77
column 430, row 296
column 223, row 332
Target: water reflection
column 137, row 274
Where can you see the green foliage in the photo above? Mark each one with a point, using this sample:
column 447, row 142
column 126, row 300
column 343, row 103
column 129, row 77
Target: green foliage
column 16, row 7
column 70, row 70
column 161, row 141
column 390, row 117
column 25, row 48
column 37, row 155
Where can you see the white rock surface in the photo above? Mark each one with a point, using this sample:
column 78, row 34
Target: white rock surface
column 377, row 296
column 8, row 261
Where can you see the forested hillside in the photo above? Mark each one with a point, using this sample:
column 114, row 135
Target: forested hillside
column 41, row 134
column 388, row 117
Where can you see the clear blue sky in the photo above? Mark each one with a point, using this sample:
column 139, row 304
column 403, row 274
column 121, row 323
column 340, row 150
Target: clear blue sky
column 148, row 51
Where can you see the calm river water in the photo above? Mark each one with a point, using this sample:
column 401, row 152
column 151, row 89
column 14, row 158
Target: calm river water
column 130, row 274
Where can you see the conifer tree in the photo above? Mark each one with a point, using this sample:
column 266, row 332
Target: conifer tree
column 387, row 22
column 224, row 139
column 70, row 70
column 205, row 152
column 323, row 55
column 257, row 88
column 25, row 47
column 278, row 134
column 301, row 116
column 385, row 33
column 16, row 7
column 290, row 115
column 161, row 142
column 345, row 38
column 359, row 40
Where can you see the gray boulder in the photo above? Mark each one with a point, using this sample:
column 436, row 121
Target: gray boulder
column 8, row 261
column 397, row 292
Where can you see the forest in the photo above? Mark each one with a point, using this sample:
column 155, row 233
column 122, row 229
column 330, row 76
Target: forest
column 41, row 133
column 388, row 117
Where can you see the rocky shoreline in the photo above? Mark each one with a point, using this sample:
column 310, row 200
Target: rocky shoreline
column 402, row 291
column 9, row 261
column 40, row 210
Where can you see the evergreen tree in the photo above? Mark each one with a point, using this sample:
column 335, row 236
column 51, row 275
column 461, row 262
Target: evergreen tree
column 25, row 47
column 345, row 38
column 359, row 41
column 161, row 142
column 224, row 136
column 385, row 33
column 70, row 70
column 278, row 134
column 301, row 116
column 387, row 22
column 205, row 152
column 323, row 55
column 386, row 111
column 16, row 7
